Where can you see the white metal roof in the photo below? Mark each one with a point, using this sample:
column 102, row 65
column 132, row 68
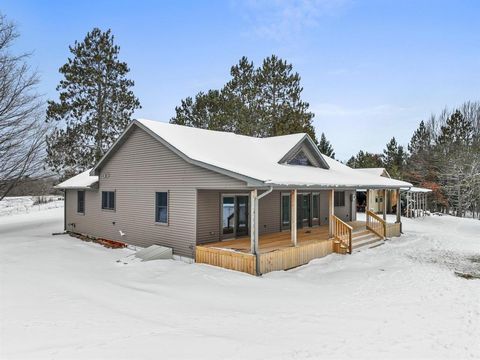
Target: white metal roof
column 81, row 181
column 258, row 158
column 418, row 190
column 374, row 171
column 255, row 160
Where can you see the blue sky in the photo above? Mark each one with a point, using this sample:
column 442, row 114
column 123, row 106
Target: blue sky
column 370, row 69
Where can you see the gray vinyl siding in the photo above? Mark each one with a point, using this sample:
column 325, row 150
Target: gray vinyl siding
column 347, row 212
column 138, row 169
column 209, row 219
column 269, row 214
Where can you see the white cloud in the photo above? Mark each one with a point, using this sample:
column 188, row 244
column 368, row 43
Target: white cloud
column 282, row 19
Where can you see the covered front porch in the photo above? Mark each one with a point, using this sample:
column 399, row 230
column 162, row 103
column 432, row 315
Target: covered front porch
column 258, row 252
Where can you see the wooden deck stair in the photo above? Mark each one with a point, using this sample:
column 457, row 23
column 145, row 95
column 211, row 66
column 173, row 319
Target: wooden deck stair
column 365, row 238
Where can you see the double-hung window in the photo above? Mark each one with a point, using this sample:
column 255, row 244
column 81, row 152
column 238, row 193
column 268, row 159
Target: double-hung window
column 81, row 202
column 161, row 207
column 339, row 198
column 108, row 200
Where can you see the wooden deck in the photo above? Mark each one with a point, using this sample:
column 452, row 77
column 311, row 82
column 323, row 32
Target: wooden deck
column 275, row 250
column 273, row 241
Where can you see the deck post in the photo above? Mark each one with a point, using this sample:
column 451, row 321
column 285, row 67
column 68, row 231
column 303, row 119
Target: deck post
column 253, row 223
column 384, row 204
column 293, row 216
column 408, row 203
column 331, row 207
column 367, row 202
column 399, row 205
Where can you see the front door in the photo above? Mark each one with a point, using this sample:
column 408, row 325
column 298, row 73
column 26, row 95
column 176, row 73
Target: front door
column 234, row 216
column 303, row 210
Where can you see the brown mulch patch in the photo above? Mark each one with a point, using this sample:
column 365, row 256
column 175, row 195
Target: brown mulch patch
column 111, row 244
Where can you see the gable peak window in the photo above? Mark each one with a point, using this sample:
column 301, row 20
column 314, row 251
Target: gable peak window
column 300, row 159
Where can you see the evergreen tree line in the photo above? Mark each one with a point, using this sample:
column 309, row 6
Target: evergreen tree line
column 96, row 103
column 442, row 155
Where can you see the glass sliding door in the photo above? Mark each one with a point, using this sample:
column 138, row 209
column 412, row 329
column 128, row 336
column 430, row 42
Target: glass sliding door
column 285, row 211
column 306, row 210
column 241, row 212
column 315, row 209
column 234, row 215
column 228, row 216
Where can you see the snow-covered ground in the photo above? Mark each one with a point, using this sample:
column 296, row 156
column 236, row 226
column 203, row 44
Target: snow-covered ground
column 26, row 204
column 61, row 298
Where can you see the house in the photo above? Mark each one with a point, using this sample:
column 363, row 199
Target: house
column 243, row 203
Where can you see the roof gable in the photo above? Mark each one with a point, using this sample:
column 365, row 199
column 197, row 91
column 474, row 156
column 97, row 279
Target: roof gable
column 257, row 161
column 307, row 148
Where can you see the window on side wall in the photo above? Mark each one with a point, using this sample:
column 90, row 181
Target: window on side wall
column 161, row 207
column 81, row 201
column 108, row 200
column 339, row 198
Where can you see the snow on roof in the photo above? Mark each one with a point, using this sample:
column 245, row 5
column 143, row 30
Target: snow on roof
column 419, row 190
column 374, row 171
column 81, row 181
column 257, row 158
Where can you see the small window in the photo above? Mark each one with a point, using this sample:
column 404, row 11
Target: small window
column 81, row 202
column 161, row 207
column 108, row 200
column 285, row 210
column 301, row 159
column 339, row 198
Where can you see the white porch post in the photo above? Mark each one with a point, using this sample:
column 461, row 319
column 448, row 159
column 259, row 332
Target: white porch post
column 416, row 205
column 367, row 204
column 424, row 203
column 399, row 206
column 253, row 223
column 384, row 204
column 293, row 216
column 331, row 208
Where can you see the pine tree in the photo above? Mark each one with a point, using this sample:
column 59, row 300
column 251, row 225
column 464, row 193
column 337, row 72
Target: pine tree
column 95, row 104
column 257, row 102
column 455, row 156
column 364, row 159
column 206, row 111
column 242, row 99
column 282, row 111
column 394, row 159
column 325, row 147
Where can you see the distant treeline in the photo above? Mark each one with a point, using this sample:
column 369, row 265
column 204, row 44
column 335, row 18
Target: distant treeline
column 443, row 155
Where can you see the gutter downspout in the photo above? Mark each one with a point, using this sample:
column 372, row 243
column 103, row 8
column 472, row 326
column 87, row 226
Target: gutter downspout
column 257, row 236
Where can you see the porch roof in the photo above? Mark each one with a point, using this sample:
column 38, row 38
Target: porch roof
column 81, row 181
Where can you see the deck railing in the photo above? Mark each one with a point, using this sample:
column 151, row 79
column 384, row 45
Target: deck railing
column 342, row 232
column 376, row 224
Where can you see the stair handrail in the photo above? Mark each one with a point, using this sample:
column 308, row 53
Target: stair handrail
column 342, row 232
column 376, row 224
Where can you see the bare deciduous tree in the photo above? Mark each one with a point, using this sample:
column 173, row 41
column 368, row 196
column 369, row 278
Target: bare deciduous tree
column 22, row 130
